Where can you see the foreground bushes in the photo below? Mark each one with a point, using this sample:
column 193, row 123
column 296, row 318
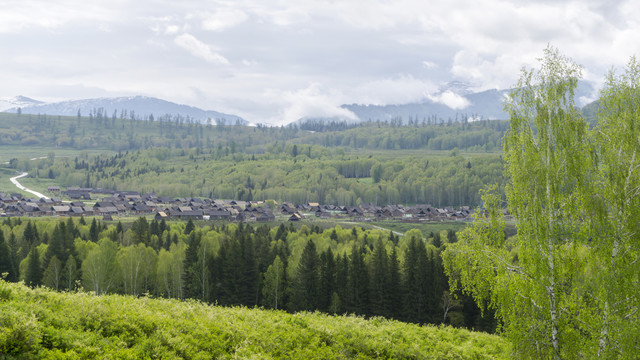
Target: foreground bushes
column 40, row 323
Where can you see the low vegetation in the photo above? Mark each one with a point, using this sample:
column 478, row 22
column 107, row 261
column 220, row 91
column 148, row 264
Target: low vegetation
column 40, row 323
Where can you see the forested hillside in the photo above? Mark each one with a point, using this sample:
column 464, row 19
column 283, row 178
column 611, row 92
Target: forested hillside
column 330, row 163
column 99, row 131
column 337, row 271
column 294, row 173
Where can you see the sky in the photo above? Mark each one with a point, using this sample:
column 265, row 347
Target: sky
column 276, row 61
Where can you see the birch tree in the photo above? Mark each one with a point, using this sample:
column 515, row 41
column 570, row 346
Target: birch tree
column 616, row 218
column 136, row 265
column 274, row 283
column 100, row 268
column 538, row 292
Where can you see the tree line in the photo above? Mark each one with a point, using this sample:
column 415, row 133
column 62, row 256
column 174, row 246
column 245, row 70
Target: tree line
column 364, row 272
column 99, row 131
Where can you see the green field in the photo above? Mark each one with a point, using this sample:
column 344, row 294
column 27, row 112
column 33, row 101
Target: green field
column 6, row 186
column 44, row 324
column 8, row 152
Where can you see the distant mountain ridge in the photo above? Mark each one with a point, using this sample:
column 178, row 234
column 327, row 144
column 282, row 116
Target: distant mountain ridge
column 142, row 107
column 454, row 101
column 482, row 105
column 17, row 102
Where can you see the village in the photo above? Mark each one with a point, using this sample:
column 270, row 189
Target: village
column 109, row 204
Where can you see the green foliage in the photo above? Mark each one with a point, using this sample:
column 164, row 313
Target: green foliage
column 566, row 285
column 615, row 218
column 33, row 275
column 348, row 179
column 81, row 325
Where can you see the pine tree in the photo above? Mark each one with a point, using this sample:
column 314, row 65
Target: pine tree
column 230, row 258
column 394, row 286
column 6, row 262
column 327, row 280
column 249, row 272
column 56, row 246
column 342, row 283
column 379, row 280
column 306, row 285
column 29, row 239
column 13, row 245
column 140, row 229
column 33, row 277
column 193, row 272
column 358, row 285
column 189, row 227
column 93, row 231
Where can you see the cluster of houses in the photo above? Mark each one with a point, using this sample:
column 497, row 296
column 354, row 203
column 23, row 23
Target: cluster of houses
column 109, row 204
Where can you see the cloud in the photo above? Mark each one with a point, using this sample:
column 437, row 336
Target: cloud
column 429, row 65
column 223, row 19
column 450, row 99
column 172, row 30
column 402, row 89
column 312, row 101
column 199, row 49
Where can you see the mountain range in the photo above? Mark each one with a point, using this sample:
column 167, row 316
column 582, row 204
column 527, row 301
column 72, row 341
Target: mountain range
column 138, row 107
column 453, row 102
column 17, row 102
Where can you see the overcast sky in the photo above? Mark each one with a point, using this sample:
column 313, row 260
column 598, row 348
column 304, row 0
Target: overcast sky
column 275, row 61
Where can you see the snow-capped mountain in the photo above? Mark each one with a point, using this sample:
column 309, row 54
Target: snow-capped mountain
column 440, row 107
column 138, row 107
column 17, row 102
column 454, row 101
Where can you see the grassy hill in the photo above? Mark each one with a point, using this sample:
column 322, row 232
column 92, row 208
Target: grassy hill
column 44, row 324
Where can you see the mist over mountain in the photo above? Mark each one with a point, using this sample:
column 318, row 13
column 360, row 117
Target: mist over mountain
column 440, row 107
column 455, row 101
column 137, row 107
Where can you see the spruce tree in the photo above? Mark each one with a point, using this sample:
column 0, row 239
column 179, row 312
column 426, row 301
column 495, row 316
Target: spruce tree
column 394, row 286
column 6, row 262
column 306, row 284
column 13, row 245
column 193, row 280
column 33, row 276
column 93, row 231
column 379, row 280
column 358, row 285
column 327, row 279
column 189, row 227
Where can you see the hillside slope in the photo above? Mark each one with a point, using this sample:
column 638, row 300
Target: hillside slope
column 44, row 324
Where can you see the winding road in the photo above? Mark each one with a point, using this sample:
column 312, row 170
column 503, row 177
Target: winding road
column 15, row 182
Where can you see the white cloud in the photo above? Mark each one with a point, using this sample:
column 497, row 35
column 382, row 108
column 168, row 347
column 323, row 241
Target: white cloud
column 312, row 101
column 450, row 99
column 199, row 49
column 172, row 29
column 247, row 62
column 223, row 19
column 429, row 64
column 397, row 90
